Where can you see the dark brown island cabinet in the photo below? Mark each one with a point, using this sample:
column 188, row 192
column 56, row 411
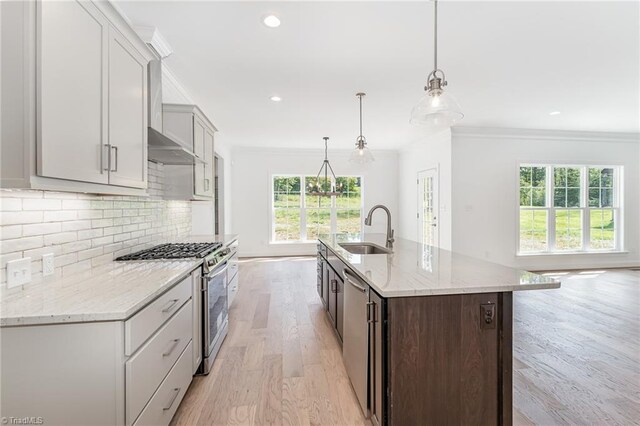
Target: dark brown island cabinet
column 428, row 360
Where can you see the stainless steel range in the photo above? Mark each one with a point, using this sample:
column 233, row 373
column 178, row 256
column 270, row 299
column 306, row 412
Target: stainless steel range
column 214, row 282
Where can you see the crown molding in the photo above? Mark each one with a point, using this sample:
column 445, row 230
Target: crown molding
column 152, row 36
column 544, row 134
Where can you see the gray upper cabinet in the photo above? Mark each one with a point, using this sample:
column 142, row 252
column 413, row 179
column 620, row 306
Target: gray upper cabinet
column 75, row 118
column 72, row 104
column 127, row 114
column 187, row 125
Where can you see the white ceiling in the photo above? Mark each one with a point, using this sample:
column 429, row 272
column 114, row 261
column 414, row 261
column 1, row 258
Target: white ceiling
column 508, row 63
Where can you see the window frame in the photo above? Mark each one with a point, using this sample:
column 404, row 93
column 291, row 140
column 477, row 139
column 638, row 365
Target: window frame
column 584, row 208
column 303, row 207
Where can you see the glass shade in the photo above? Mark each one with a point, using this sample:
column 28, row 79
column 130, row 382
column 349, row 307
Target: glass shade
column 361, row 155
column 436, row 110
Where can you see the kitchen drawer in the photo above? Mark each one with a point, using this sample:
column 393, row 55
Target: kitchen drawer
column 164, row 403
column 146, row 369
column 232, row 289
column 143, row 324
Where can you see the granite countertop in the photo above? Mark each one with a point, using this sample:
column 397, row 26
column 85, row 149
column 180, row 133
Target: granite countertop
column 414, row 269
column 110, row 292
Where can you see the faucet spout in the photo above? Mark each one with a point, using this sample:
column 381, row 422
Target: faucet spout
column 390, row 232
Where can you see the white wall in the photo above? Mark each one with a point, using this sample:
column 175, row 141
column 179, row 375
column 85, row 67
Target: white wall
column 485, row 182
column 427, row 152
column 251, row 187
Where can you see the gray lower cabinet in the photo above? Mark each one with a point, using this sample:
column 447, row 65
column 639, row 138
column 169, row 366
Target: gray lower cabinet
column 129, row 372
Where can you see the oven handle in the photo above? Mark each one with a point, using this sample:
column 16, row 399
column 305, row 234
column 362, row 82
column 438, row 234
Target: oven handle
column 218, row 272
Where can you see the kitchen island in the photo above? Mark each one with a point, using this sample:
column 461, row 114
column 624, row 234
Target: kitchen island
column 426, row 333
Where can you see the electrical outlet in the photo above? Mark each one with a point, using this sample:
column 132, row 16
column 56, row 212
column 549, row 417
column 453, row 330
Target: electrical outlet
column 18, row 272
column 47, row 264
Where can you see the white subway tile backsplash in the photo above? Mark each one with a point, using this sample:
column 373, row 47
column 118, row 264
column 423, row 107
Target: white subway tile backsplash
column 37, row 253
column 86, row 230
column 90, row 233
column 61, row 238
column 89, row 214
column 41, row 204
column 15, row 218
column 20, row 244
column 76, row 204
column 10, row 204
column 101, row 223
column 41, row 229
column 102, row 241
column 76, row 225
column 76, row 246
column 60, row 216
column 88, row 254
column 11, row 231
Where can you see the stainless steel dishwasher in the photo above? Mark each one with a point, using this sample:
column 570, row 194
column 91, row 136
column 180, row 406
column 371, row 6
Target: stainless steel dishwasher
column 355, row 340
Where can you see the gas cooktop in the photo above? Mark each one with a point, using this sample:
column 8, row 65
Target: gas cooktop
column 174, row 251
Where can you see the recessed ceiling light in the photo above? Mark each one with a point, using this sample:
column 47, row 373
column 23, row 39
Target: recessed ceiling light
column 554, row 113
column 271, row 21
column 276, row 98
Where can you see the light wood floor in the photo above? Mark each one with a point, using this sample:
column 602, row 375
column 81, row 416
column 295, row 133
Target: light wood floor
column 576, row 354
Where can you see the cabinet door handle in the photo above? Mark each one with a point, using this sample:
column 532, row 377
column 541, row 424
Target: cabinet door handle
column 173, row 399
column 171, row 349
column 371, row 312
column 114, row 148
column 170, row 306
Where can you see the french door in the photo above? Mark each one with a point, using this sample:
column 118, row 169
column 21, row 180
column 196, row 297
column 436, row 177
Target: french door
column 428, row 207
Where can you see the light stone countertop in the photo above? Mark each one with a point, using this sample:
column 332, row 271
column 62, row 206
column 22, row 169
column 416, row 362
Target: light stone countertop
column 414, row 269
column 110, row 292
column 114, row 291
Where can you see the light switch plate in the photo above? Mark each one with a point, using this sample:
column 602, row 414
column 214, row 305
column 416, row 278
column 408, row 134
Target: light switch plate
column 47, row 264
column 18, row 272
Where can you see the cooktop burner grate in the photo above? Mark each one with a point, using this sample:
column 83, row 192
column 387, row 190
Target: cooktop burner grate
column 174, row 251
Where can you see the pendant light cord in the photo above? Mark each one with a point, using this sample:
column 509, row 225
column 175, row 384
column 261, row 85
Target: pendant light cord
column 360, row 96
column 435, row 36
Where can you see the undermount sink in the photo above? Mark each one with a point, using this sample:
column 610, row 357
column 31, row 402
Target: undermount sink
column 364, row 248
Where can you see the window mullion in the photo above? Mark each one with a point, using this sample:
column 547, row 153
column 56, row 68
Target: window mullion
column 586, row 213
column 551, row 213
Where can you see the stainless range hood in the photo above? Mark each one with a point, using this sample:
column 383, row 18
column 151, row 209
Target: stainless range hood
column 161, row 148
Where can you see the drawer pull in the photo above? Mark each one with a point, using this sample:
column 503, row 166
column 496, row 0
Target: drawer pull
column 173, row 346
column 175, row 395
column 170, row 305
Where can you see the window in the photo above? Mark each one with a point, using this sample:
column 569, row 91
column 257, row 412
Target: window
column 298, row 215
column 569, row 208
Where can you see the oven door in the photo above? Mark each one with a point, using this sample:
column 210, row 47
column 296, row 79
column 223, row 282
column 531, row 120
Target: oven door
column 216, row 309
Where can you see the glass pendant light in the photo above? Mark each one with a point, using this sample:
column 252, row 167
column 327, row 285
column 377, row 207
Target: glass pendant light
column 436, row 108
column 327, row 187
column 361, row 154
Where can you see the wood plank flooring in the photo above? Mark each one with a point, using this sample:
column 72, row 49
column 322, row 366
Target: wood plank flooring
column 577, row 350
column 576, row 354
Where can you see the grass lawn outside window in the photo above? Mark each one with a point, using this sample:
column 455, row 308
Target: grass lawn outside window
column 298, row 216
column 569, row 209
